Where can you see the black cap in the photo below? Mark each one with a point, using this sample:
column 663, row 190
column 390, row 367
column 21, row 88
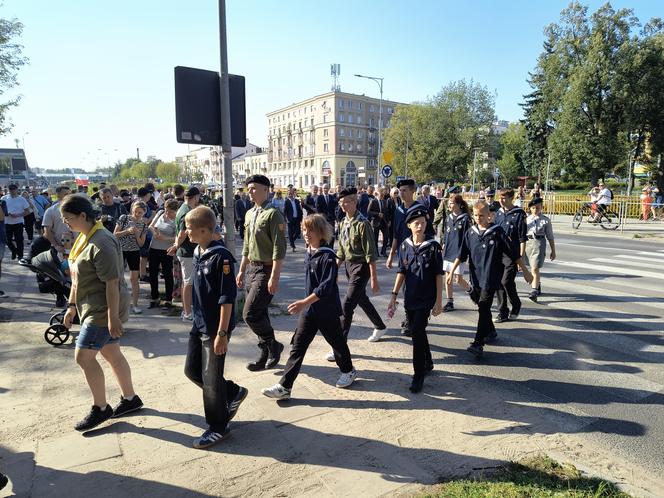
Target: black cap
column 290, row 185
column 490, row 192
column 192, row 192
column 12, row 186
column 143, row 191
column 416, row 212
column 408, row 182
column 454, row 190
column 347, row 191
column 125, row 193
column 535, row 202
column 493, row 207
column 260, row 179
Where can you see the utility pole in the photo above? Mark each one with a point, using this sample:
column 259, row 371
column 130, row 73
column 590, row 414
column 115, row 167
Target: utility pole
column 226, row 162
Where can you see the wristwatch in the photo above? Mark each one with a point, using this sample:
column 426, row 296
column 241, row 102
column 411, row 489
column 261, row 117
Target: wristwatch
column 222, row 333
column 71, row 305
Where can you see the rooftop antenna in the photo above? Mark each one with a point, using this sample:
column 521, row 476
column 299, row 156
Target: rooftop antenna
column 335, row 71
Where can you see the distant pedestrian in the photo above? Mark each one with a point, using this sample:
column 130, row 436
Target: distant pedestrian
column 293, row 214
column 213, row 306
column 540, row 230
column 163, row 237
column 131, row 231
column 320, row 310
column 17, row 208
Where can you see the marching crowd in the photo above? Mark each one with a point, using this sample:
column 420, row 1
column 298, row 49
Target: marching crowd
column 435, row 240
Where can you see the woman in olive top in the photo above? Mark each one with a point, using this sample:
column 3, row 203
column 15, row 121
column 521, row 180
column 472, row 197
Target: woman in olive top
column 100, row 297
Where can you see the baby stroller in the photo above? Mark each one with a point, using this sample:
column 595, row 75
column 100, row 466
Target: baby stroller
column 51, row 279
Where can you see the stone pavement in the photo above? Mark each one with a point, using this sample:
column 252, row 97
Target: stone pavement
column 374, row 439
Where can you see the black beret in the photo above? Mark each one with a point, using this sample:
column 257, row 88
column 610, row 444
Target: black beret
column 454, row 190
column 125, row 193
column 260, row 179
column 143, row 191
column 535, row 202
column 347, row 191
column 416, row 212
column 192, row 192
column 490, row 192
column 408, row 182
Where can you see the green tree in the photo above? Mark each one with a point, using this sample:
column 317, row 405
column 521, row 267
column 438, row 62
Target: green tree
column 168, row 171
column 11, row 61
column 438, row 136
column 513, row 148
column 141, row 170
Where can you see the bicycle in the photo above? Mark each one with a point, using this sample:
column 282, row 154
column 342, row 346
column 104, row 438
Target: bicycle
column 606, row 218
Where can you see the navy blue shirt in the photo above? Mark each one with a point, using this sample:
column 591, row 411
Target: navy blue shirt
column 515, row 226
column 456, row 228
column 213, row 285
column 420, row 265
column 321, row 279
column 486, row 250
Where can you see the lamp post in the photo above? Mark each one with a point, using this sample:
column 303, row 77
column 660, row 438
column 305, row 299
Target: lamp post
column 379, row 82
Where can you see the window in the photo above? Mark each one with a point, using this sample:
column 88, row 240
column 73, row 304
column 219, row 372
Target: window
column 390, row 110
column 325, row 149
column 359, row 105
column 341, row 117
column 360, row 134
column 341, row 103
column 359, row 147
column 350, row 104
column 371, row 122
column 312, row 121
column 324, row 118
column 325, row 132
column 342, row 146
column 342, row 132
column 359, row 119
column 350, row 118
column 372, row 108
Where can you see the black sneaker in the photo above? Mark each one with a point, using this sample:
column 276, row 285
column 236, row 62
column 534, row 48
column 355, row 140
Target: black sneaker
column 209, row 438
column 449, row 306
column 145, row 279
column 491, row 338
column 3, row 481
column 500, row 319
column 475, row 349
column 234, row 405
column 514, row 315
column 127, row 406
column 416, row 384
column 154, row 304
column 94, row 418
column 3, row 295
column 533, row 295
column 274, row 354
column 167, row 306
column 406, row 333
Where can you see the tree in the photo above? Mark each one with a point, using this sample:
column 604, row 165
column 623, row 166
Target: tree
column 438, row 136
column 168, row 171
column 513, row 147
column 11, row 61
column 140, row 171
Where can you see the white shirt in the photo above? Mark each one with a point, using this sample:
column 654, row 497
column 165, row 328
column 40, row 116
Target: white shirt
column 604, row 197
column 15, row 209
column 54, row 222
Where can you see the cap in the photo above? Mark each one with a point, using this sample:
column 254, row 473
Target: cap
column 260, row 179
column 192, row 192
column 493, row 207
column 416, row 212
column 490, row 192
column 347, row 191
column 12, row 186
column 454, row 190
column 535, row 202
column 124, row 193
column 143, row 191
column 408, row 182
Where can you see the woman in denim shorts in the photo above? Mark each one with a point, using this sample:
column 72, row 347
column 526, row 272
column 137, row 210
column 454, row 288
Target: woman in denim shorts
column 100, row 297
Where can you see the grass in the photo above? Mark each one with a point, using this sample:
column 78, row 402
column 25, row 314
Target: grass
column 533, row 477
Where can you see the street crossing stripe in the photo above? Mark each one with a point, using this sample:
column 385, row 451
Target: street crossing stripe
column 654, row 265
column 612, row 282
column 608, row 269
column 641, row 258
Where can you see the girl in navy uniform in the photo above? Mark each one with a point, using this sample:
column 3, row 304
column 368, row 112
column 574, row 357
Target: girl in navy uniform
column 485, row 244
column 421, row 270
column 457, row 224
column 320, row 310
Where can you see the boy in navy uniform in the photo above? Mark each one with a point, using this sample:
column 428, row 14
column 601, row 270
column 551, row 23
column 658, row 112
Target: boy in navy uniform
column 421, row 270
column 513, row 220
column 320, row 310
column 485, row 244
column 213, row 303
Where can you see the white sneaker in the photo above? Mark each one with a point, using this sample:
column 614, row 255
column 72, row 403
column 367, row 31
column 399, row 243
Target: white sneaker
column 136, row 310
column 376, row 335
column 330, row 356
column 346, row 379
column 277, row 391
column 186, row 318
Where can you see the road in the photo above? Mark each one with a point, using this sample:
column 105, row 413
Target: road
column 579, row 376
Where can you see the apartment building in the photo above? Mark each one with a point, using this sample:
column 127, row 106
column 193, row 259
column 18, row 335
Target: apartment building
column 331, row 138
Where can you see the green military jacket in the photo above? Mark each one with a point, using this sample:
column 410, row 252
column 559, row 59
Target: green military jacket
column 356, row 240
column 264, row 238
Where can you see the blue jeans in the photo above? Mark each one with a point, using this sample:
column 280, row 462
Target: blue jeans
column 94, row 337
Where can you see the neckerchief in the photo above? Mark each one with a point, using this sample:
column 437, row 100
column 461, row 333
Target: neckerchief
column 82, row 241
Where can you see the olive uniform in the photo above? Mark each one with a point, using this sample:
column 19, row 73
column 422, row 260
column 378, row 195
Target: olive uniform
column 357, row 249
column 264, row 242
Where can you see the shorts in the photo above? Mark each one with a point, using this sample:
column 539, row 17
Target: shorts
column 94, row 337
column 447, row 267
column 133, row 259
column 187, row 265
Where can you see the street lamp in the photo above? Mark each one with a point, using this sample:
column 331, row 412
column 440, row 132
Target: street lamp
column 379, row 82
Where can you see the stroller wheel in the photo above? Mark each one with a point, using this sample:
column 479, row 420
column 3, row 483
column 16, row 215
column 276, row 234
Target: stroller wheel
column 57, row 319
column 56, row 334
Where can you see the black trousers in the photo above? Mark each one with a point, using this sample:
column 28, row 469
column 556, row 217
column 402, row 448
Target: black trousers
column 256, row 304
column 15, row 238
column 390, row 233
column 293, row 231
column 29, row 222
column 307, row 326
column 358, row 276
column 508, row 290
column 382, row 228
column 240, row 226
column 418, row 321
column 485, row 326
column 157, row 258
column 206, row 370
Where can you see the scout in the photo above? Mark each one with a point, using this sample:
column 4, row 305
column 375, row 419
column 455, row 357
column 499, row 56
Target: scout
column 213, row 303
column 540, row 230
column 485, row 244
column 320, row 310
column 421, row 270
column 358, row 250
column 263, row 252
column 457, row 224
column 513, row 220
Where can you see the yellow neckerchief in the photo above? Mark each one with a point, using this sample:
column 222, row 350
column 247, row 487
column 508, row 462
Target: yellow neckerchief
column 82, row 241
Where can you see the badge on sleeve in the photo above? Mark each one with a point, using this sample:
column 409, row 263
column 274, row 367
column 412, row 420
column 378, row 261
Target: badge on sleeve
column 227, row 267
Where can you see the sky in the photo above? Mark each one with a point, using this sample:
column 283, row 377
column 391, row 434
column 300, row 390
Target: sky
column 99, row 83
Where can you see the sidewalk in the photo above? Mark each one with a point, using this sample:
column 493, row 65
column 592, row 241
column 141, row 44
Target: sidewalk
column 374, row 439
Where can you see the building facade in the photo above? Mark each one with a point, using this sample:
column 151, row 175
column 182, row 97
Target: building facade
column 203, row 164
column 331, row 138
